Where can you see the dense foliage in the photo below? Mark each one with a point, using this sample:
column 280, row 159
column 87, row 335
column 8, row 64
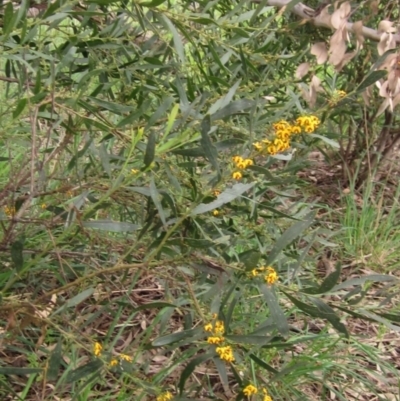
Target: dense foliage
column 159, row 234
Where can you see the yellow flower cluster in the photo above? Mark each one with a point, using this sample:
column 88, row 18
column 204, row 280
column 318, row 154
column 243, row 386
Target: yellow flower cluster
column 250, row 390
column 308, row 123
column 269, row 273
column 267, row 397
column 336, row 97
column 283, row 133
column 98, row 350
column 122, row 357
column 241, row 164
column 226, row 353
column 9, row 211
column 165, row 396
column 217, row 329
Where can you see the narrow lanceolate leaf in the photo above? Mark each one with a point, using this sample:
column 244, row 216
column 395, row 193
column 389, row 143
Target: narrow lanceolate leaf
column 322, row 311
column 223, row 374
column 235, row 107
column 113, row 107
column 76, row 300
column 328, row 141
column 220, row 103
column 85, row 370
column 55, row 362
column 263, row 364
column 175, row 337
column 275, row 310
column 17, row 257
column 111, row 226
column 5, row 370
column 329, row 282
column 289, row 236
column 250, row 258
column 190, row 367
column 171, row 119
column 209, row 149
column 9, row 19
column 152, row 3
column 20, row 108
column 225, row 197
column 371, row 79
column 329, row 314
column 156, row 197
column 178, row 44
column 150, row 149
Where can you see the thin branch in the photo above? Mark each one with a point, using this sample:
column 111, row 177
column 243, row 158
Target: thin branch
column 13, row 80
column 323, row 20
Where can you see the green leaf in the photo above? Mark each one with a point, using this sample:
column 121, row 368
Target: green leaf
column 17, row 256
column 175, row 337
column 390, row 316
column 327, row 284
column 221, row 367
column 199, row 243
column 289, row 7
column 241, row 32
column 321, row 311
column 8, row 19
column 263, row 170
column 193, row 152
column 331, row 280
column 233, row 108
column 152, row 3
column 289, row 236
column 55, row 362
column 4, row 370
column 171, row 119
column 190, row 367
column 378, row 318
column 325, row 311
column 134, row 116
column 161, row 110
column 275, row 310
column 263, row 364
column 76, row 300
column 250, row 258
column 221, row 103
column 225, row 197
column 150, row 149
column 156, row 197
column 379, row 278
column 203, row 21
column 175, row 35
column 208, row 147
column 155, row 305
column 311, row 310
column 111, row 226
column 85, row 370
column 370, row 80
column 328, row 141
column 249, row 339
column 20, row 108
column 113, row 107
